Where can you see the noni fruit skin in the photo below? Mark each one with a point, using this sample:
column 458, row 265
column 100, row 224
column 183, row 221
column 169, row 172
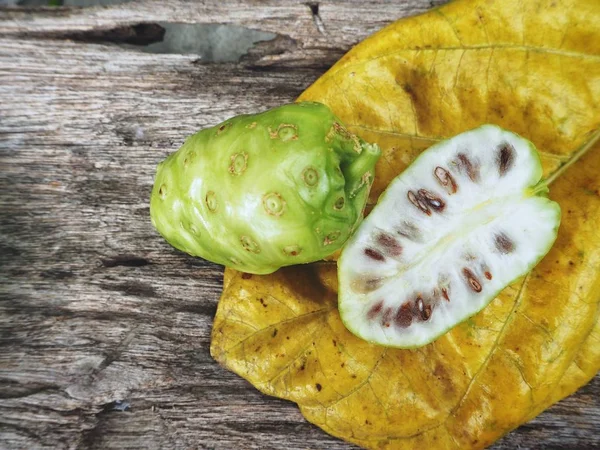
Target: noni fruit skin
column 262, row 191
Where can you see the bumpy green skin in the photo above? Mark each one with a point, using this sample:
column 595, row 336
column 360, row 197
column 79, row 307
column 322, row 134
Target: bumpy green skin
column 259, row 192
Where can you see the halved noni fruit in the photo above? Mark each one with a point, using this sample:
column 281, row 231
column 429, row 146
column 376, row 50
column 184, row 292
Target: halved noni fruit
column 468, row 217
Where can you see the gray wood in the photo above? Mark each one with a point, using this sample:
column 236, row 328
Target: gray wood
column 95, row 307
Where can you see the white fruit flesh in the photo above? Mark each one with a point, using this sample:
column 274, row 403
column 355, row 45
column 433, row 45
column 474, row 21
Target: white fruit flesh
column 460, row 224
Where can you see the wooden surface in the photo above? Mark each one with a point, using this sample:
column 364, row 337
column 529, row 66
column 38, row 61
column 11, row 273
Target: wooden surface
column 96, row 309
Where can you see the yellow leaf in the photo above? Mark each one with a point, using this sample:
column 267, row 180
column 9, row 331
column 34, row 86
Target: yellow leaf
column 532, row 67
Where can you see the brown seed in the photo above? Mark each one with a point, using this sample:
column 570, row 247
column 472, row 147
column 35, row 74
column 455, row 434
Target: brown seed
column 423, row 310
column 364, row 285
column 375, row 310
column 426, row 313
column 506, row 158
column 409, row 231
column 504, row 244
column 445, row 179
column 431, row 200
column 466, row 164
column 488, row 275
column 416, row 200
column 387, row 317
column 472, row 280
column 404, row 316
column 374, row 254
column 445, row 294
column 389, row 243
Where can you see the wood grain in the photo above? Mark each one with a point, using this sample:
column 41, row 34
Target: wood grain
column 95, row 307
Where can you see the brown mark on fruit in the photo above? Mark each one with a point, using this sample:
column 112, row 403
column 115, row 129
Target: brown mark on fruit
column 211, row 201
column 310, row 176
column 338, row 129
column 162, row 191
column 252, row 125
column 390, row 245
column 445, row 179
column 375, row 310
column 339, row 203
column 466, row 164
column 239, row 163
column 274, row 204
column 331, row 238
column 249, row 244
column 473, row 282
column 404, row 316
column 504, row 244
column 506, row 158
column 365, row 180
column 222, row 128
column 292, row 250
column 374, row 254
column 285, row 132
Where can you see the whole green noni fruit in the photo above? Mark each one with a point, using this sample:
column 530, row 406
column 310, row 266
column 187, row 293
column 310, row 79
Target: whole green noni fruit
column 262, row 191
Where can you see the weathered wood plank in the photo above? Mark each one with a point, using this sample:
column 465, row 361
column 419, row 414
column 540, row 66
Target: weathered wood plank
column 95, row 307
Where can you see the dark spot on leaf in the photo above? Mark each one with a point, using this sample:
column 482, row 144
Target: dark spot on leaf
column 274, row 332
column 319, row 387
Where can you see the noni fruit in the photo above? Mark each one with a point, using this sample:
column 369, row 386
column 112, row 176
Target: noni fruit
column 262, row 191
column 466, row 218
